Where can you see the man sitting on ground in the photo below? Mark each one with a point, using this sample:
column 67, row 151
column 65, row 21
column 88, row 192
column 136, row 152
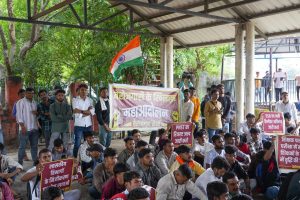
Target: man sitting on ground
column 236, row 167
column 52, row 193
column 115, row 184
column 138, row 194
column 133, row 159
column 255, row 145
column 166, row 157
column 59, row 152
column 132, row 180
column 136, row 135
column 230, row 140
column 217, row 190
column 218, row 150
column 185, row 157
column 149, row 172
column 233, row 184
column 218, row 168
column 33, row 176
column 102, row 172
column 201, row 147
column 128, row 151
column 175, row 184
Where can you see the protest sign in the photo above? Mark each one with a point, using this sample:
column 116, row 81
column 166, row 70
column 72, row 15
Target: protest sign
column 273, row 123
column 143, row 108
column 288, row 152
column 57, row 173
column 182, row 133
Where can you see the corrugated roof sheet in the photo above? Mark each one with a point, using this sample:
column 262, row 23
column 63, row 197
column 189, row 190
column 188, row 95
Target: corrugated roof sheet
column 272, row 17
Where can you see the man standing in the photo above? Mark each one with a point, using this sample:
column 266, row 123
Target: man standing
column 83, row 110
column 285, row 106
column 44, row 119
column 257, row 87
column 213, row 112
column 226, row 105
column 187, row 109
column 102, row 113
column 27, row 120
column 279, row 78
column 60, row 113
column 196, row 102
column 266, row 83
column 297, row 79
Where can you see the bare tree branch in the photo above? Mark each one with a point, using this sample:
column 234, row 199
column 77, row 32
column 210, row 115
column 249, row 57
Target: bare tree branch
column 5, row 51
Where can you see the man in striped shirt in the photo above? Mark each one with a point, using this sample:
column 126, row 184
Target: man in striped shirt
column 27, row 120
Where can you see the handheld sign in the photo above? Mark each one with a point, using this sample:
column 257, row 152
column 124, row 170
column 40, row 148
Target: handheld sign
column 273, row 123
column 182, row 133
column 57, row 173
column 288, row 152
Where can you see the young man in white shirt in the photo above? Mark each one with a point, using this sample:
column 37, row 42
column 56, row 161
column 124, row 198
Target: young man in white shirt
column 27, row 119
column 218, row 150
column 83, row 110
column 285, row 106
column 218, row 168
column 201, row 147
column 166, row 157
column 187, row 109
column 279, row 78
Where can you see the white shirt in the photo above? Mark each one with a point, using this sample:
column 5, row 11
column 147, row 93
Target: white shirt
column 289, row 107
column 8, row 162
column 83, row 153
column 279, row 77
column 25, row 115
column 211, row 156
column 81, row 104
column 207, row 147
column 187, row 109
column 35, row 194
column 245, row 130
column 205, row 178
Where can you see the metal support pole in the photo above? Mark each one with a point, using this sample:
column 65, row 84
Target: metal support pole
column 239, row 75
column 271, row 79
column 250, row 83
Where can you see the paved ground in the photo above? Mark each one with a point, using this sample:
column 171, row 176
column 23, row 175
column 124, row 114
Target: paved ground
column 20, row 186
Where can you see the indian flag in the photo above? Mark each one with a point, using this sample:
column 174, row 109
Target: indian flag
column 130, row 55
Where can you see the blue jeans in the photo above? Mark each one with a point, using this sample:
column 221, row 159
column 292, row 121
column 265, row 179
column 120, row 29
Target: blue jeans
column 33, row 137
column 271, row 192
column 78, row 132
column 211, row 132
column 104, row 136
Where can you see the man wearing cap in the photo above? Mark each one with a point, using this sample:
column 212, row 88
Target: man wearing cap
column 285, row 106
column 60, row 114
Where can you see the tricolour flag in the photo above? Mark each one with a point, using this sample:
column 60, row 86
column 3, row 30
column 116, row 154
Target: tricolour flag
column 130, row 55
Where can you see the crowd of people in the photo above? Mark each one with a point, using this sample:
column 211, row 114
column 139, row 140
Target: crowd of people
column 222, row 163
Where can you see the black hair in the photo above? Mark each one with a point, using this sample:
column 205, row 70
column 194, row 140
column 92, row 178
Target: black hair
column 290, row 129
column 21, row 91
column 216, row 137
column 29, row 89
column 213, row 86
column 144, row 152
column 83, row 85
column 45, row 150
column 57, row 87
column 41, row 91
column 110, row 152
column 128, row 176
column 120, row 167
column 103, row 88
column 287, row 115
column 250, row 115
column 227, row 176
column 228, row 135
column 220, row 85
column 242, row 197
column 214, row 91
column 200, row 133
column 267, row 145
column 129, row 138
column 58, row 142
column 141, row 143
column 186, row 90
column 134, row 131
column 215, row 189
column 183, row 149
column 161, row 131
column 165, row 142
column 59, row 91
column 230, row 149
column 51, row 192
column 254, row 130
column 138, row 193
column 220, row 163
column 186, row 171
column 87, row 134
column 192, row 88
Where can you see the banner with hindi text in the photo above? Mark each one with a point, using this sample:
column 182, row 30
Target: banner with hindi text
column 142, row 107
column 273, row 123
column 182, row 133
